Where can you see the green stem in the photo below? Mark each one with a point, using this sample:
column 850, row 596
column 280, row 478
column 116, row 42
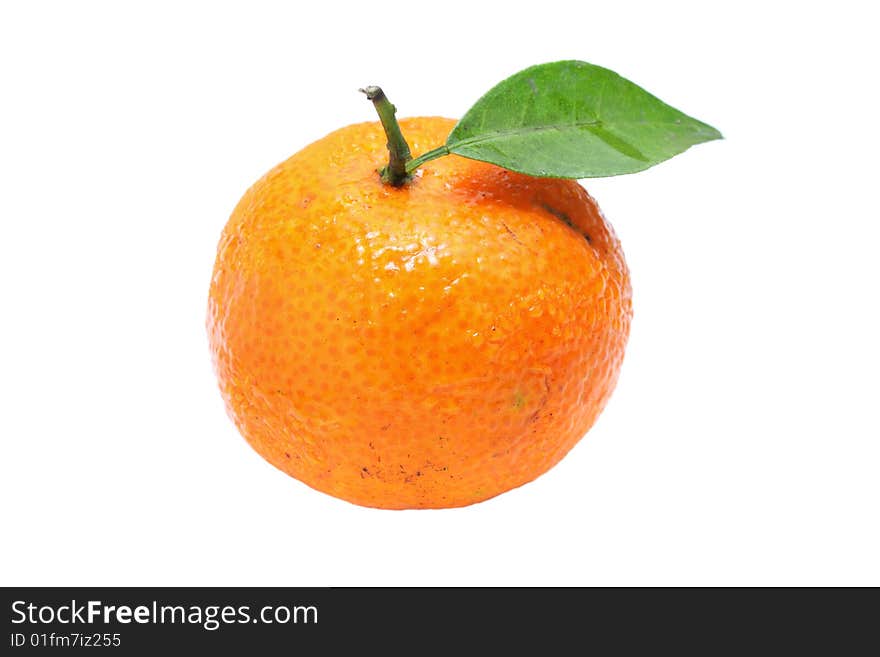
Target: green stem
column 396, row 173
column 440, row 151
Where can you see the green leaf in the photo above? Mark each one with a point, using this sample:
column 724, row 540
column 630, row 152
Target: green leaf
column 571, row 119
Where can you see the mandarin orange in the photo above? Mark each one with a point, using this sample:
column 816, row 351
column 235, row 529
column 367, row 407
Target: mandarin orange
column 426, row 346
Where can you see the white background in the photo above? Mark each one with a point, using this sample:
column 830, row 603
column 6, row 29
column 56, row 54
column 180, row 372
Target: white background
column 741, row 446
